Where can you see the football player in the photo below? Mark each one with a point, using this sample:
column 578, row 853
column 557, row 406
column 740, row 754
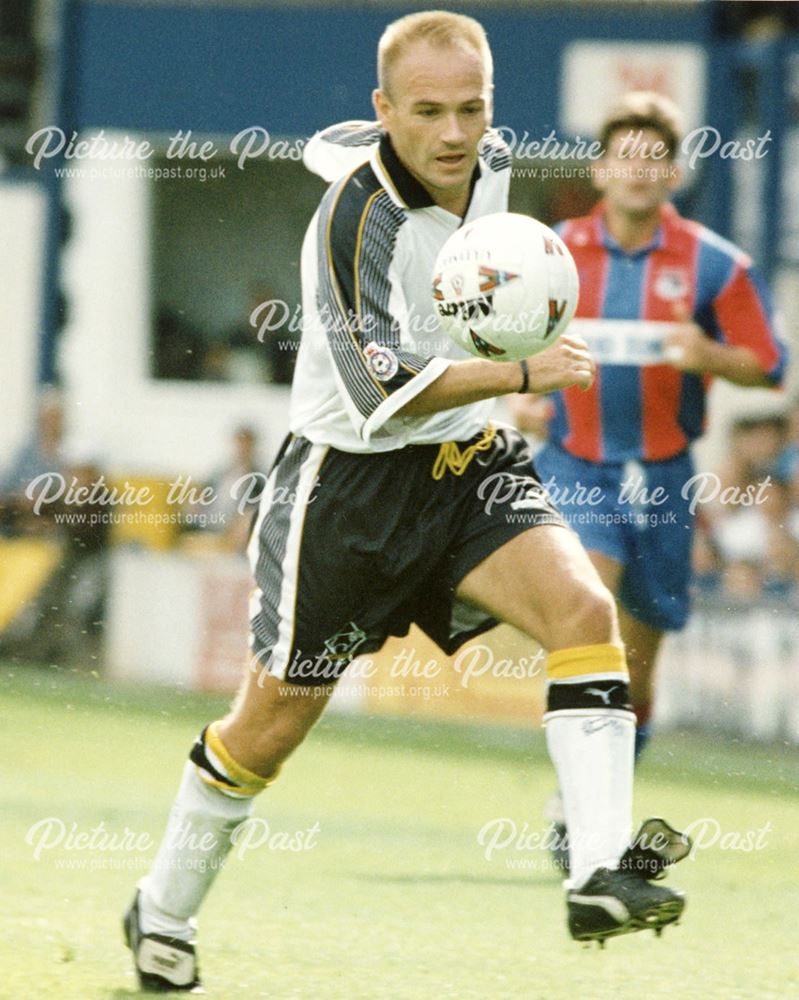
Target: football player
column 666, row 306
column 384, row 525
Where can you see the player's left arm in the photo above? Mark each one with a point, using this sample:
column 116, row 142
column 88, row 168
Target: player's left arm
column 748, row 351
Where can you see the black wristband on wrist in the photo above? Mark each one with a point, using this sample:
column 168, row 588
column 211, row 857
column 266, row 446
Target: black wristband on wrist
column 525, row 376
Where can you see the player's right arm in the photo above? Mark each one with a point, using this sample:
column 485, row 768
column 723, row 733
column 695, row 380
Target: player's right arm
column 362, row 305
column 567, row 362
column 741, row 343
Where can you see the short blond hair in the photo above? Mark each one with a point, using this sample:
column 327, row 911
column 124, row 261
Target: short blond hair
column 640, row 109
column 439, row 27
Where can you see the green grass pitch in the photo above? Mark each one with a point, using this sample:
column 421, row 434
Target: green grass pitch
column 396, row 899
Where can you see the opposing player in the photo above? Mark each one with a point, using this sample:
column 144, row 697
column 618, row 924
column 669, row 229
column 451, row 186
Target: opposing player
column 389, row 444
column 705, row 314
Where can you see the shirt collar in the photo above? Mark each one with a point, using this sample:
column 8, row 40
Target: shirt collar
column 406, row 188
column 668, row 213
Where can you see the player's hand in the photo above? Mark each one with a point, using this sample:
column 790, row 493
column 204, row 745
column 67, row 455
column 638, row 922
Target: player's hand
column 567, row 362
column 687, row 348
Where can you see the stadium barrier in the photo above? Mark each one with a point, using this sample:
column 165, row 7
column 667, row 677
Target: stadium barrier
column 180, row 618
column 176, row 618
column 734, row 669
column 27, row 564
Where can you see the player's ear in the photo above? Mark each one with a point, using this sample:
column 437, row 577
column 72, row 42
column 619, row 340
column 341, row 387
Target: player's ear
column 489, row 104
column 676, row 175
column 599, row 175
column 381, row 104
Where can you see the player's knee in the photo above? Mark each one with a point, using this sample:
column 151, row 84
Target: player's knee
column 600, row 611
column 591, row 617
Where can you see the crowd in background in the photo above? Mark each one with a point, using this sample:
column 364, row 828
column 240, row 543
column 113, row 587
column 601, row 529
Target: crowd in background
column 746, row 549
column 747, row 545
column 64, row 619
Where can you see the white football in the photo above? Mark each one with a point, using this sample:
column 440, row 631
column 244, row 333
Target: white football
column 504, row 286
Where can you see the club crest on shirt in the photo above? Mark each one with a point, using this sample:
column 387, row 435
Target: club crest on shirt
column 671, row 284
column 381, row 361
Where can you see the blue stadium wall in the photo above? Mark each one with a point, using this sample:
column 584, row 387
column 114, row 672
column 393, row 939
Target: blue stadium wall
column 296, row 69
column 216, row 69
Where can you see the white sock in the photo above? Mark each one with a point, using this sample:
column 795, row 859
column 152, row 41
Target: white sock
column 593, row 757
column 193, row 851
column 590, row 735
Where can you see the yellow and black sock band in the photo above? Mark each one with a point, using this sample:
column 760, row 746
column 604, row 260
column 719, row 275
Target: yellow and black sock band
column 588, row 678
column 589, row 695
column 231, row 777
column 579, row 661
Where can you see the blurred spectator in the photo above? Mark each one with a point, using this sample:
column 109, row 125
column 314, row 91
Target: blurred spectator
column 79, row 590
column 260, row 348
column 755, row 446
column 179, row 350
column 264, row 341
column 706, row 559
column 235, row 491
column 63, row 619
column 216, row 363
column 741, row 581
column 42, row 453
column 788, row 458
column 757, row 540
column 781, row 563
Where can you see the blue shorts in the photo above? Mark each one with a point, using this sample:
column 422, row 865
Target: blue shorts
column 636, row 514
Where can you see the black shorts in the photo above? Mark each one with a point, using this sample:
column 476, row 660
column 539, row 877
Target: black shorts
column 349, row 549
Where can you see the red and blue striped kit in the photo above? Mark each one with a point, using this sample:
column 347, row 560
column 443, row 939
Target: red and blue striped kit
column 646, row 409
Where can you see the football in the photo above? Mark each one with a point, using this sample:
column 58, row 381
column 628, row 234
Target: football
column 504, row 286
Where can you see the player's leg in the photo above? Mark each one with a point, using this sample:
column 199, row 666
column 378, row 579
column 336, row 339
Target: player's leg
column 609, row 569
column 234, row 759
column 653, row 591
column 269, row 720
column 231, row 761
column 585, row 493
column 642, row 643
column 543, row 582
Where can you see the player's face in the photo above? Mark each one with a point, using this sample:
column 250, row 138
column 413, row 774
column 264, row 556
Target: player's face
column 436, row 113
column 633, row 177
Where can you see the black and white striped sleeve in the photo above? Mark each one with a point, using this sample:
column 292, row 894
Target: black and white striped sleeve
column 362, row 305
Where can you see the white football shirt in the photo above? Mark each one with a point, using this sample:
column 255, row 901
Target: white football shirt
column 371, row 339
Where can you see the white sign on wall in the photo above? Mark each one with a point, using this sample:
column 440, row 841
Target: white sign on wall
column 124, row 419
column 596, row 74
column 23, row 211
